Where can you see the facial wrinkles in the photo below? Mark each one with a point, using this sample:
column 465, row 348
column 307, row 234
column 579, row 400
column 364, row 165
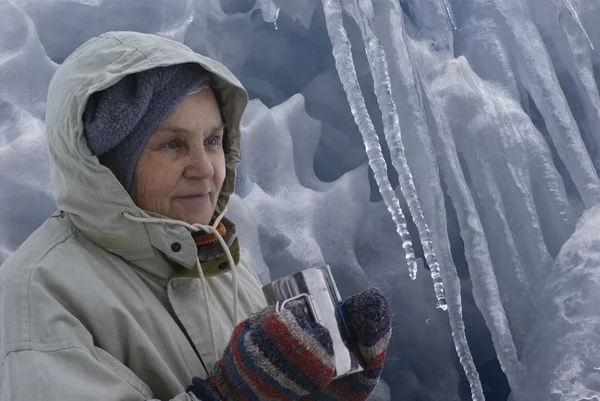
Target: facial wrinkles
column 189, row 165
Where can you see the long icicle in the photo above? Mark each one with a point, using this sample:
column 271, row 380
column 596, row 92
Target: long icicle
column 569, row 6
column 450, row 14
column 451, row 279
column 538, row 76
column 345, row 66
column 410, row 80
column 391, row 127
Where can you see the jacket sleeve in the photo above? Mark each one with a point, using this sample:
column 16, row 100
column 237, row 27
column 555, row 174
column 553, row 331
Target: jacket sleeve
column 70, row 374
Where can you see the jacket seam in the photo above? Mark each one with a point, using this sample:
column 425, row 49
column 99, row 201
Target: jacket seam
column 68, row 232
column 116, row 372
column 28, row 346
column 18, row 346
column 69, row 235
column 131, row 47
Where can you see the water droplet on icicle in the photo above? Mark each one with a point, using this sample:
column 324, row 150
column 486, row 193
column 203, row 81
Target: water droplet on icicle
column 450, row 14
column 269, row 11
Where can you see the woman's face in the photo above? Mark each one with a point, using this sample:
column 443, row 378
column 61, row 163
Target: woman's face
column 181, row 169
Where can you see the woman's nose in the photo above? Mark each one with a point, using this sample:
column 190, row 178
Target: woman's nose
column 199, row 164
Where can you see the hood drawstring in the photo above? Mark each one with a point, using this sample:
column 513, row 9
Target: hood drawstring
column 209, row 229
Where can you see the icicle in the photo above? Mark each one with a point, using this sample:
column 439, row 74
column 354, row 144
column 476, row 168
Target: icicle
column 177, row 30
column 269, row 10
column 403, row 56
column 345, row 65
column 450, row 14
column 340, row 44
column 391, row 127
column 575, row 16
column 539, row 78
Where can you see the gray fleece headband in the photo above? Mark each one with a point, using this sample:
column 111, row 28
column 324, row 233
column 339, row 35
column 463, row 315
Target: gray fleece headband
column 119, row 120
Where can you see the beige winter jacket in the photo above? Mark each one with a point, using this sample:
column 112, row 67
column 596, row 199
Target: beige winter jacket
column 95, row 305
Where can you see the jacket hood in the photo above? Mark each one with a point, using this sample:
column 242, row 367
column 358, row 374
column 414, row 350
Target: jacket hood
column 88, row 191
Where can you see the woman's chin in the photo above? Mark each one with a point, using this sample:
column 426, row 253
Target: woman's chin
column 194, row 211
column 196, row 218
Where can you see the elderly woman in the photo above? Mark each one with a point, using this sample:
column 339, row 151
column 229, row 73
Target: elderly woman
column 135, row 288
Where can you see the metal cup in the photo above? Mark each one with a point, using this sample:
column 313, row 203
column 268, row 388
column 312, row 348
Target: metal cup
column 317, row 287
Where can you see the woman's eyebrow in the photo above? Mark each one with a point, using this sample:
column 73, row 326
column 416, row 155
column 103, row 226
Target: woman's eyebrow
column 180, row 130
column 219, row 127
column 175, row 130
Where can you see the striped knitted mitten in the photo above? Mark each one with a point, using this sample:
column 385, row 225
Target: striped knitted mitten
column 271, row 356
column 370, row 321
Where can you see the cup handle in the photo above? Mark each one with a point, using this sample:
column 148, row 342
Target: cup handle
column 280, row 305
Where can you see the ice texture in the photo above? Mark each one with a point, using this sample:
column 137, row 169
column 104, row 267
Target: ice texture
column 345, row 66
column 562, row 349
column 362, row 13
column 497, row 107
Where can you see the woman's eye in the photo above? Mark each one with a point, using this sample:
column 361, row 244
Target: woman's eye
column 213, row 141
column 172, row 145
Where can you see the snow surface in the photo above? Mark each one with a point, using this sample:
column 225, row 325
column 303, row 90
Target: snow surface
column 498, row 111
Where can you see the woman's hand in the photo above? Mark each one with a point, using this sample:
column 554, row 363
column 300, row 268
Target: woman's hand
column 370, row 321
column 281, row 355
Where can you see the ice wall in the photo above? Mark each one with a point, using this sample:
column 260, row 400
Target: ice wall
column 562, row 351
column 497, row 109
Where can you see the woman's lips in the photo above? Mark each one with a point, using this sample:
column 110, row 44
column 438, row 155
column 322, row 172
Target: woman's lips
column 194, row 199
